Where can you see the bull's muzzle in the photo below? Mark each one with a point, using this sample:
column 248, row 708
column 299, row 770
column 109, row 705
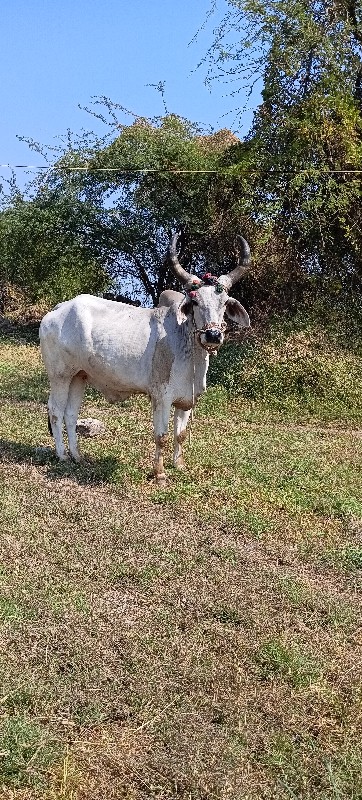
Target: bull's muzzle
column 211, row 336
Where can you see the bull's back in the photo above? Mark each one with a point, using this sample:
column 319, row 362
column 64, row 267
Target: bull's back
column 113, row 343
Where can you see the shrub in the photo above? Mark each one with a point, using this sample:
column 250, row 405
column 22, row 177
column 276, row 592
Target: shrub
column 300, row 366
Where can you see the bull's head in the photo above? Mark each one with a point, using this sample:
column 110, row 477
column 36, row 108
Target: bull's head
column 207, row 297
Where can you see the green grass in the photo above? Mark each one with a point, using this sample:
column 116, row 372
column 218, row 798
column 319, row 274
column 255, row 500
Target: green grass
column 201, row 641
column 26, row 752
column 300, row 772
column 275, row 659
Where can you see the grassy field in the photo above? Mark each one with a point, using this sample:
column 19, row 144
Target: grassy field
column 198, row 642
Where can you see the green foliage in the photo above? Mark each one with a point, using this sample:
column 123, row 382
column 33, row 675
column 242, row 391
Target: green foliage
column 162, row 174
column 45, row 247
column 309, row 367
column 103, row 213
column 110, row 223
column 295, row 367
column 306, row 140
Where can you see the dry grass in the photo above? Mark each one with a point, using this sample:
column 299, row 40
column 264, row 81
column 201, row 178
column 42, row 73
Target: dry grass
column 200, row 642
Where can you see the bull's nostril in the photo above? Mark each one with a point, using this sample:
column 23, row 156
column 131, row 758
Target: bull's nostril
column 213, row 335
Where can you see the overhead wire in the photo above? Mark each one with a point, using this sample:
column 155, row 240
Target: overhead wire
column 176, row 170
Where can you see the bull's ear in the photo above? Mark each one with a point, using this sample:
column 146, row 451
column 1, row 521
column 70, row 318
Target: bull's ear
column 235, row 311
column 186, row 307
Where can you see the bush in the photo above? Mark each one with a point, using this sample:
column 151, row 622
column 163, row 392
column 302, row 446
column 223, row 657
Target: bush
column 300, row 366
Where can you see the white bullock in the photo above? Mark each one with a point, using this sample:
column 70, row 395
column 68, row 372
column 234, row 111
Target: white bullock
column 123, row 350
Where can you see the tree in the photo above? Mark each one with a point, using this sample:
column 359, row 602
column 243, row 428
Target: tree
column 49, row 247
column 306, row 139
column 107, row 207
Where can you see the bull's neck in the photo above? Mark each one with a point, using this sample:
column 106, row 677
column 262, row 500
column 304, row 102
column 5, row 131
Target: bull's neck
column 199, row 355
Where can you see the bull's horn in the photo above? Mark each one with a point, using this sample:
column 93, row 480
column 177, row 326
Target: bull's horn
column 172, row 258
column 244, row 262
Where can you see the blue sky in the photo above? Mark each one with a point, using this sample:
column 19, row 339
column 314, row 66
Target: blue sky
column 56, row 54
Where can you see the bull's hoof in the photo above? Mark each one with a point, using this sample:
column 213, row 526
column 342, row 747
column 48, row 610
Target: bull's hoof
column 180, row 465
column 63, row 457
column 76, row 457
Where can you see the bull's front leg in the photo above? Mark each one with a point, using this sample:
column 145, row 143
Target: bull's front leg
column 181, row 419
column 161, row 416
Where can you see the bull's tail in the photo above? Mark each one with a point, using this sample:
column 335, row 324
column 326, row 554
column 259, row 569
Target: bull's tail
column 49, row 425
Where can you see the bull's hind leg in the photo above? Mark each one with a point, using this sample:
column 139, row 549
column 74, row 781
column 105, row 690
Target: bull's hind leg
column 59, row 389
column 74, row 402
column 161, row 416
column 181, row 419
